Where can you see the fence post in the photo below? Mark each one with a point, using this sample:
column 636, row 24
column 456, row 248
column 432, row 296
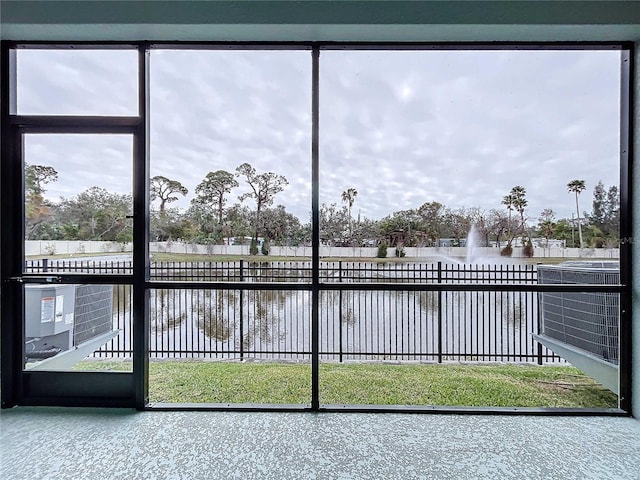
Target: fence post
column 340, row 308
column 241, row 311
column 45, row 265
column 539, row 322
column 439, row 313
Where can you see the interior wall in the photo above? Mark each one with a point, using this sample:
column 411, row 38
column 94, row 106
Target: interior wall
column 321, row 20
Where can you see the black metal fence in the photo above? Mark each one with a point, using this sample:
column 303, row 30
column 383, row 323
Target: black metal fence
column 384, row 324
column 300, row 271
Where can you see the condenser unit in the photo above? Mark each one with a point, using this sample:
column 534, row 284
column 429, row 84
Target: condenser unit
column 582, row 327
column 65, row 323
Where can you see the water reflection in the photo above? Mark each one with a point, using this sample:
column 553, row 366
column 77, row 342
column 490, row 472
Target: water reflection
column 420, row 325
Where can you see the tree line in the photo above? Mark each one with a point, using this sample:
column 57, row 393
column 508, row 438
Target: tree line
column 97, row 214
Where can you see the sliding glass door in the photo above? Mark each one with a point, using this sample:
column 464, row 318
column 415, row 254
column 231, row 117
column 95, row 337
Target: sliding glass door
column 68, row 248
column 316, row 227
column 229, row 298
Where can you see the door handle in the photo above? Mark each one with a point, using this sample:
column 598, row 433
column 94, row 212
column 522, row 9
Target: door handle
column 49, row 279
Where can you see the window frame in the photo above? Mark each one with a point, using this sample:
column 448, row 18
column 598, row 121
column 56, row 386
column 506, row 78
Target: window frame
column 131, row 390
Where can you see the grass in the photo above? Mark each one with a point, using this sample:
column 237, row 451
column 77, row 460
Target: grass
column 193, row 257
column 196, row 257
column 462, row 385
column 222, row 382
column 190, row 257
column 182, row 381
column 62, row 256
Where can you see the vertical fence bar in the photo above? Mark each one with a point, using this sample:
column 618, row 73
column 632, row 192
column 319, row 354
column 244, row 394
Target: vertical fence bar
column 241, row 311
column 340, row 309
column 539, row 328
column 439, row 314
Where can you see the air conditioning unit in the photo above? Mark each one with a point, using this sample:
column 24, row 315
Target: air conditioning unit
column 66, row 318
column 582, row 327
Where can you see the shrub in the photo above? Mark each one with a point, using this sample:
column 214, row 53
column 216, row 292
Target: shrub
column 528, row 249
column 50, row 249
column 253, row 247
column 266, row 247
column 507, row 251
column 400, row 252
column 382, row 250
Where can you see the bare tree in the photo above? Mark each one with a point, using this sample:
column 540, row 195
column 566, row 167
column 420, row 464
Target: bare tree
column 497, row 224
column 480, row 220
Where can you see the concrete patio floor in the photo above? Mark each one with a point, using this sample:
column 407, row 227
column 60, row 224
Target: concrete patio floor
column 57, row 443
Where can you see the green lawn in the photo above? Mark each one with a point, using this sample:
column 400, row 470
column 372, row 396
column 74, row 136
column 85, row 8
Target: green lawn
column 182, row 381
column 462, row 385
column 190, row 257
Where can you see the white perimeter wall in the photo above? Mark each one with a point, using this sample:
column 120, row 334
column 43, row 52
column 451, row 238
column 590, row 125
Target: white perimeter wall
column 72, row 247
column 60, row 247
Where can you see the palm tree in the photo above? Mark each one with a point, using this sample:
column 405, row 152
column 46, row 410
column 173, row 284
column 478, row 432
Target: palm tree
column 577, row 186
column 349, row 197
column 507, row 201
column 519, row 203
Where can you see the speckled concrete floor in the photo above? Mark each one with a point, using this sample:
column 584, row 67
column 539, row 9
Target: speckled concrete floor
column 53, row 443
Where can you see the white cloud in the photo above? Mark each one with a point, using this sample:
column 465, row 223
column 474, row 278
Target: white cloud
column 402, row 128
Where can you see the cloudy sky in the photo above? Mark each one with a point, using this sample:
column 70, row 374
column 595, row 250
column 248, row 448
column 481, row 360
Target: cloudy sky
column 402, row 128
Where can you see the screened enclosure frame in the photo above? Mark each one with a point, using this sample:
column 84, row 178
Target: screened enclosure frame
column 131, row 389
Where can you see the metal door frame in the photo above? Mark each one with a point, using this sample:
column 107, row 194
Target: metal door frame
column 131, row 389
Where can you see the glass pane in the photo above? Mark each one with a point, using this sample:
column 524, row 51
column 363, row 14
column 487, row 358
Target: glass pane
column 461, row 156
column 458, row 349
column 77, row 82
column 467, row 167
column 78, row 203
column 230, row 162
column 429, row 326
column 230, row 346
column 78, row 327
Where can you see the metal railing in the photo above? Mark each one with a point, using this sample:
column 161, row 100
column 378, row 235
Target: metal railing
column 385, row 324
